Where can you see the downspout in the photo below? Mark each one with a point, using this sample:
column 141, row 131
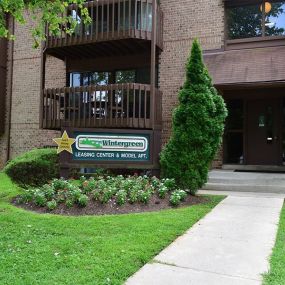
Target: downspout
column 10, row 91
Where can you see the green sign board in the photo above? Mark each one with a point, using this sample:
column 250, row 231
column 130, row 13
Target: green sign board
column 111, row 147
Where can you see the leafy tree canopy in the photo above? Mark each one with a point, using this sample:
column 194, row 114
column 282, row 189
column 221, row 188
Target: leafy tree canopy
column 51, row 12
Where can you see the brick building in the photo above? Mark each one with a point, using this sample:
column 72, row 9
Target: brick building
column 115, row 75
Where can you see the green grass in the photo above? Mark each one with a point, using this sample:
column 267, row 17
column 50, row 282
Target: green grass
column 276, row 275
column 48, row 249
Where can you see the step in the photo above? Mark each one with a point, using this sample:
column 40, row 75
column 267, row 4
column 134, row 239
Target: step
column 244, row 187
column 246, row 175
column 238, row 181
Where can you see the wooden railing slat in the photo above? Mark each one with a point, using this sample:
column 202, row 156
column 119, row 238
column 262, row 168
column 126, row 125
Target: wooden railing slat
column 119, row 20
column 130, row 16
column 113, row 19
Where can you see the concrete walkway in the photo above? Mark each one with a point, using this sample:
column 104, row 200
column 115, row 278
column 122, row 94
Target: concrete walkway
column 230, row 246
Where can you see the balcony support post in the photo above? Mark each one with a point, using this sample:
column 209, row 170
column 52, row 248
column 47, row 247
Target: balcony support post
column 153, row 62
column 43, row 79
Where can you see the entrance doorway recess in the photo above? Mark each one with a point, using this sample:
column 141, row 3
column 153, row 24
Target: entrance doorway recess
column 255, row 128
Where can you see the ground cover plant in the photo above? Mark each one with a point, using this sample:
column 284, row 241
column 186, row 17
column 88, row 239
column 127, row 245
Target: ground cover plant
column 276, row 275
column 105, row 194
column 197, row 127
column 51, row 249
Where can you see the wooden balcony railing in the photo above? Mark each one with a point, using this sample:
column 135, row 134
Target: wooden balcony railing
column 128, row 105
column 3, row 73
column 111, row 20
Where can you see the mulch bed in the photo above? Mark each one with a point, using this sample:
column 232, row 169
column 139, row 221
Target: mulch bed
column 96, row 208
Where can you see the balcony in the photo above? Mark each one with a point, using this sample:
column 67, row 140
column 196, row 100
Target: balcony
column 122, row 25
column 127, row 105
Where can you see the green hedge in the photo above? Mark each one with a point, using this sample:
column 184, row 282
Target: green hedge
column 34, row 168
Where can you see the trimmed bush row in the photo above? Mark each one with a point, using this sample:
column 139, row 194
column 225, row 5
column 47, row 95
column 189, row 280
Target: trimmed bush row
column 133, row 189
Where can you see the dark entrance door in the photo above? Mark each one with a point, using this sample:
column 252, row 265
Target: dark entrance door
column 263, row 132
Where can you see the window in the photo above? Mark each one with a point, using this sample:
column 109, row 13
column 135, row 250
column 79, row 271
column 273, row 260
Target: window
column 140, row 75
column 261, row 19
column 89, row 78
column 233, row 142
column 125, row 76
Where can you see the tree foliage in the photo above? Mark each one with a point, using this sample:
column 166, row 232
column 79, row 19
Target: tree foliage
column 197, row 127
column 51, row 12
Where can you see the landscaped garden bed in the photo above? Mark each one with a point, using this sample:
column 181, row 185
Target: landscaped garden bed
column 106, row 195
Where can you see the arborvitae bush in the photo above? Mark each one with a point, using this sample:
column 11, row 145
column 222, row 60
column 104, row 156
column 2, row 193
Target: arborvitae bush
column 197, row 127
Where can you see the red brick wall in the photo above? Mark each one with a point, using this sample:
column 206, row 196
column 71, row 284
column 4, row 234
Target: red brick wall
column 183, row 22
column 25, row 132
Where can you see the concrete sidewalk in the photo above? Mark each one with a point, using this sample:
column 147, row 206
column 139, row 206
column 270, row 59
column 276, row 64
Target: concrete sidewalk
column 230, row 246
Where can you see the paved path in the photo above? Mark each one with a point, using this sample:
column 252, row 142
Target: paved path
column 230, row 246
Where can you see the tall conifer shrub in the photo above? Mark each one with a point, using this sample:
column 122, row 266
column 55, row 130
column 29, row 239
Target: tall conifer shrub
column 197, row 127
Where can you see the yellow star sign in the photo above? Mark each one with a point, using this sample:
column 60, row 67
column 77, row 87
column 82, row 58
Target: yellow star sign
column 64, row 143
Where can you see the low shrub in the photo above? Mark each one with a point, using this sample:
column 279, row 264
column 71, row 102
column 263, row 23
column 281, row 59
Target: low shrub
column 133, row 195
column 121, row 197
column 144, row 196
column 118, row 190
column 82, row 200
column 169, row 183
column 69, row 203
column 96, row 194
column 182, row 194
column 106, row 195
column 177, row 197
column 162, row 191
column 26, row 197
column 34, row 168
column 39, row 198
column 89, row 185
column 51, row 205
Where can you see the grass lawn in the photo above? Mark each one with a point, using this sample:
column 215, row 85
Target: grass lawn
column 48, row 249
column 276, row 276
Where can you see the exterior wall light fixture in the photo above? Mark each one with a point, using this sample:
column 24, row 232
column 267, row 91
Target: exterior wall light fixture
column 268, row 7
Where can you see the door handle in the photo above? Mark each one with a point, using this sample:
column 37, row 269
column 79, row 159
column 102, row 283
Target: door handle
column 270, row 139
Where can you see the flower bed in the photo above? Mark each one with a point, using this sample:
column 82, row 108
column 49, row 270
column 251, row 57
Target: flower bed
column 105, row 195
